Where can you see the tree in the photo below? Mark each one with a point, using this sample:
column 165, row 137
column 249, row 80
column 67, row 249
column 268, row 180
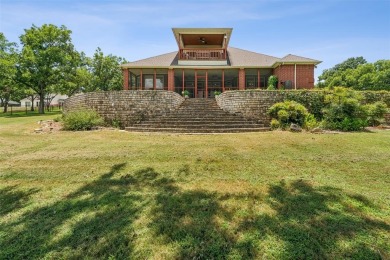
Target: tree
column 46, row 58
column 79, row 79
column 106, row 73
column 351, row 63
column 8, row 86
column 357, row 74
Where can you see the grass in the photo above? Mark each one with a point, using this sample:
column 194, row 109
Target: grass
column 119, row 195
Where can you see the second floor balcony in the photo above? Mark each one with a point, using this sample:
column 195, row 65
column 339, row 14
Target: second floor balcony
column 202, row 57
column 202, row 54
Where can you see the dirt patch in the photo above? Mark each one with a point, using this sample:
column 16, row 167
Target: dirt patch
column 48, row 126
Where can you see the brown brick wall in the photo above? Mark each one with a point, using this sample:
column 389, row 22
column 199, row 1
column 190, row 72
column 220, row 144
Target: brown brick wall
column 125, row 73
column 171, row 80
column 305, row 75
column 127, row 106
column 241, row 79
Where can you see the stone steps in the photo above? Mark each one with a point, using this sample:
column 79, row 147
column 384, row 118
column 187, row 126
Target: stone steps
column 200, row 131
column 199, row 116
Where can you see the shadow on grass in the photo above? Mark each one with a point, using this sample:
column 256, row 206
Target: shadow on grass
column 11, row 199
column 97, row 221
column 320, row 223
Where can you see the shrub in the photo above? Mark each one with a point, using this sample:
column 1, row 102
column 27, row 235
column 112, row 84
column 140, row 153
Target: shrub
column 287, row 113
column 375, row 113
column 275, row 124
column 81, row 120
column 117, row 123
column 310, row 122
column 185, row 93
column 312, row 100
column 344, row 111
column 272, row 82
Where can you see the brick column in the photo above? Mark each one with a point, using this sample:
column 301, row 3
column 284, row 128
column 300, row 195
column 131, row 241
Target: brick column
column 171, row 80
column 241, row 79
column 125, row 73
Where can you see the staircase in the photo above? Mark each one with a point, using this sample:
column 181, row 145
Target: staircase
column 198, row 115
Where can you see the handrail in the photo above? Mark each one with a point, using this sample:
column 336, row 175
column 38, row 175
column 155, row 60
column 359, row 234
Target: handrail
column 202, row 54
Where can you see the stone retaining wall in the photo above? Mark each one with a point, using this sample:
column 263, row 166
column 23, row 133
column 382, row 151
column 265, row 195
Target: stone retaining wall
column 251, row 104
column 126, row 106
column 254, row 104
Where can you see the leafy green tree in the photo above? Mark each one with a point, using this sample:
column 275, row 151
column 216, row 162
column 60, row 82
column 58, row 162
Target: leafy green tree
column 363, row 76
column 351, row 63
column 79, row 79
column 46, row 58
column 8, row 87
column 106, row 73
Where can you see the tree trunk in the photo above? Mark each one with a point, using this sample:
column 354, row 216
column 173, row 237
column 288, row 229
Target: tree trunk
column 5, row 107
column 32, row 102
column 41, row 109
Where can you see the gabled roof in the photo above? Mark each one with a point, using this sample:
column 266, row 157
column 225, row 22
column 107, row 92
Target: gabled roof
column 244, row 58
column 297, row 59
column 163, row 60
column 237, row 58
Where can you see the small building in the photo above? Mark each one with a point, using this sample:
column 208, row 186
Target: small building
column 56, row 100
column 204, row 63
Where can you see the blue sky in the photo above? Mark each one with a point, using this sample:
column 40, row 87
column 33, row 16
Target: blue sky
column 326, row 30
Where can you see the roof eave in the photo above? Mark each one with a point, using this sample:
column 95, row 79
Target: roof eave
column 277, row 63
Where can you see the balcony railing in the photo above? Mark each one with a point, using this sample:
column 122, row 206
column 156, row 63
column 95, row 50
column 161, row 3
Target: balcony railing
column 202, row 54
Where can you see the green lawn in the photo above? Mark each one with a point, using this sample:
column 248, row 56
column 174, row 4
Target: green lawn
column 118, row 195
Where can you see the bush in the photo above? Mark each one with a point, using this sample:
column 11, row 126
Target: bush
column 272, row 82
column 310, row 122
column 311, row 99
column 275, row 124
column 375, row 113
column 344, row 111
column 287, row 113
column 81, row 120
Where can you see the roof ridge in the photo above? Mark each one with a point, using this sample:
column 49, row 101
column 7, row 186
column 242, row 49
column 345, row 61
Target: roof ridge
column 298, row 56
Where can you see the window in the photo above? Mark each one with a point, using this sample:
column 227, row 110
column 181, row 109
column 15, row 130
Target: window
column 148, row 81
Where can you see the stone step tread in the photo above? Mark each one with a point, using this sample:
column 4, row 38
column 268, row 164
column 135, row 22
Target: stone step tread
column 199, row 116
column 199, row 126
column 204, row 130
column 202, row 121
column 191, row 117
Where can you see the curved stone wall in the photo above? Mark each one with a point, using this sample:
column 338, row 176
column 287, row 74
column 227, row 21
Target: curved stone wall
column 126, row 106
column 254, row 104
column 251, row 104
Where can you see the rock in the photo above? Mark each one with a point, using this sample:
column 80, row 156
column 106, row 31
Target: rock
column 38, row 130
column 317, row 130
column 295, row 128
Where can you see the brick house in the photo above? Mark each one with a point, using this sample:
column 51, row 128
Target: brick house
column 205, row 63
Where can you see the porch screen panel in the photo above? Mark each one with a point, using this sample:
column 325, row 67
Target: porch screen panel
column 231, row 79
column 161, row 79
column 214, row 78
